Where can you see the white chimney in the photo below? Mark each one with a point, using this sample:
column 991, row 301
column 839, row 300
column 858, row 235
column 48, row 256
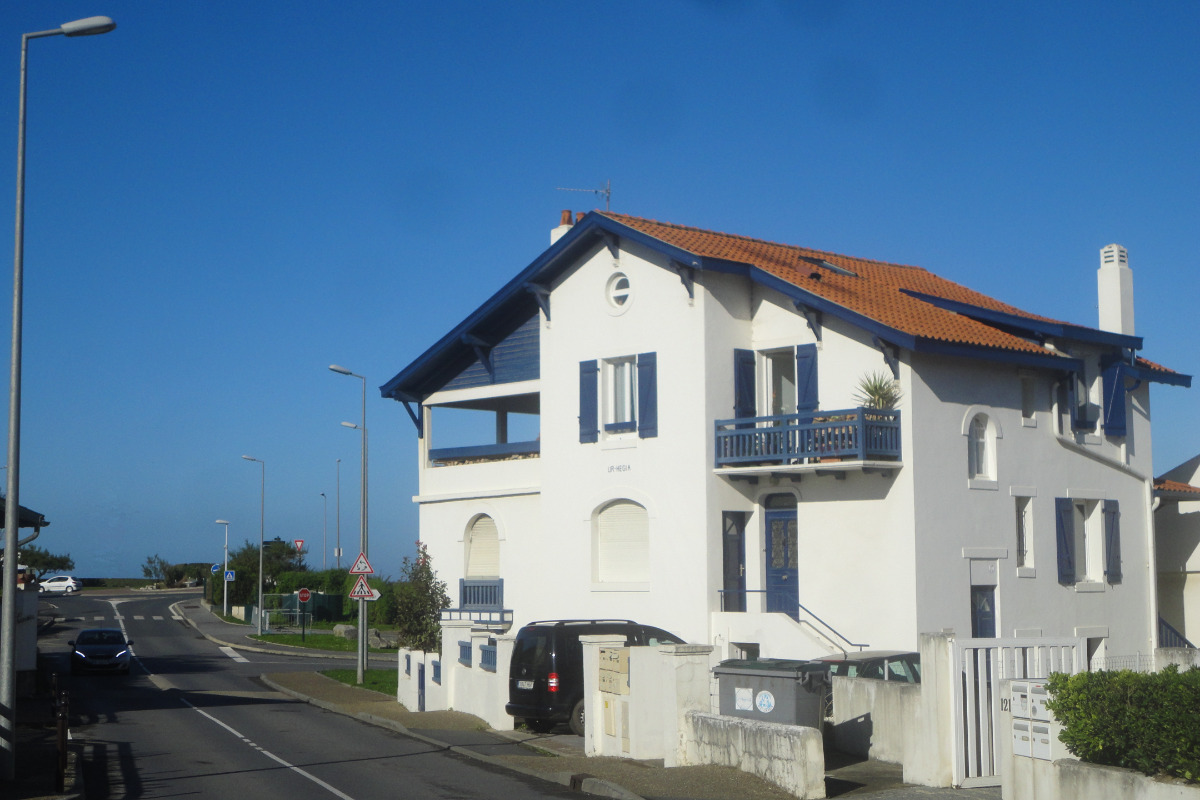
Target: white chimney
column 1114, row 282
column 564, row 225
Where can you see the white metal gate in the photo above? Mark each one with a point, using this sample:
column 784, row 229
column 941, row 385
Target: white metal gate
column 980, row 665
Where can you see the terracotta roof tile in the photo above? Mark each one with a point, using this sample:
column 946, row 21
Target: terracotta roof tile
column 1164, row 485
column 874, row 291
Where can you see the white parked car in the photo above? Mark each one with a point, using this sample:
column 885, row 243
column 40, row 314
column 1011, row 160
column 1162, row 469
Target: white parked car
column 59, row 583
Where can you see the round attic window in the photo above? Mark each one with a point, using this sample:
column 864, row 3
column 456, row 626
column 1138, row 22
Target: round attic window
column 618, row 292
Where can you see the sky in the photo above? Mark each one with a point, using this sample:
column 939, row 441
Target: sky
column 223, row 198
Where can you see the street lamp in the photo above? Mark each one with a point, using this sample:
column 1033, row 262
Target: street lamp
column 8, row 607
column 337, row 551
column 262, row 516
column 362, row 525
column 324, row 531
column 225, row 583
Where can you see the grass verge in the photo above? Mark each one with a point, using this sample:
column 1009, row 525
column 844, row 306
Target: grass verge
column 320, row 641
column 377, row 680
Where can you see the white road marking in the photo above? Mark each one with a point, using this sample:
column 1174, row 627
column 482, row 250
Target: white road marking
column 157, row 619
column 335, row 792
column 229, row 651
column 139, row 616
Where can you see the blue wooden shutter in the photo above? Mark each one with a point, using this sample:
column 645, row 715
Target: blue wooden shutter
column 589, row 387
column 1112, row 540
column 1113, row 383
column 1064, row 524
column 744, row 402
column 647, row 395
column 806, row 378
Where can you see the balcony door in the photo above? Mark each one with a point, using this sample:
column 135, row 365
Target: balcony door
column 783, row 591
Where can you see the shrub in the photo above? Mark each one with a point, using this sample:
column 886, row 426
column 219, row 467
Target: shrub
column 1146, row 722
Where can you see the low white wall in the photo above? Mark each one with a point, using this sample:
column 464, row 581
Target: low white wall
column 665, row 681
column 1184, row 657
column 1062, row 777
column 1070, row 779
column 467, row 688
column 874, row 719
column 789, row 756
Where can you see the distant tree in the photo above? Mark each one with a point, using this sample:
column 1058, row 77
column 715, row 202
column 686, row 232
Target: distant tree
column 42, row 562
column 279, row 557
column 159, row 569
column 420, row 598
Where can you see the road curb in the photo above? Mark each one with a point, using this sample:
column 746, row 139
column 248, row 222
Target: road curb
column 299, row 651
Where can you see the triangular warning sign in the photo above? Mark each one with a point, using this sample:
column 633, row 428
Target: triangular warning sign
column 299, row 544
column 361, row 590
column 361, row 567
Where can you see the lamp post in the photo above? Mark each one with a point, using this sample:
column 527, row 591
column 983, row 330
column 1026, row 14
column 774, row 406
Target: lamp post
column 338, row 511
column 262, row 516
column 8, row 608
column 324, row 531
column 362, row 524
column 225, row 583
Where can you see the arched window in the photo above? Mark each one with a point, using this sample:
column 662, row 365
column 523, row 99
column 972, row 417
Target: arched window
column 979, row 454
column 622, row 543
column 483, row 549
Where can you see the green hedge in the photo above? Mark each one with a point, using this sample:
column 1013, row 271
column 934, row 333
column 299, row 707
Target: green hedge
column 1148, row 722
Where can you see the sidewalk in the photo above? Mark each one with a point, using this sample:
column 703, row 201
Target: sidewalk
column 559, row 759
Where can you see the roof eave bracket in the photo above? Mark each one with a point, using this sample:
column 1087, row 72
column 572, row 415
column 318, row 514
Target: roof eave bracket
column 891, row 354
column 483, row 351
column 687, row 275
column 811, row 316
column 542, row 295
column 613, row 243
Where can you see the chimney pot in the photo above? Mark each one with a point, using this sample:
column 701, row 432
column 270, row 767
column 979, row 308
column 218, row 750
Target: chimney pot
column 564, row 225
column 578, row 217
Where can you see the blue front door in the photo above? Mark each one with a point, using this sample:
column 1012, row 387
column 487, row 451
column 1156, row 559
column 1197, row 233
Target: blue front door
column 783, row 592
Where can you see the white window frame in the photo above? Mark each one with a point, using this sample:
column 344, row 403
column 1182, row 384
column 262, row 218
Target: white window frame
column 982, row 433
column 619, row 400
column 1024, row 549
column 778, row 400
column 1089, row 544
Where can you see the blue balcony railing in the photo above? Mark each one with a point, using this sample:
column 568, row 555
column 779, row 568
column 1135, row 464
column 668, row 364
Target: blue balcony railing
column 481, row 595
column 487, row 657
column 444, row 456
column 464, row 653
column 862, row 434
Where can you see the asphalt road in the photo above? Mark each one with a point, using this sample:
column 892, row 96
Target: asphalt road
column 193, row 720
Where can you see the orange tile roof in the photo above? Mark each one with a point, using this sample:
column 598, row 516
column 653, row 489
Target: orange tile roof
column 1164, row 485
column 876, row 291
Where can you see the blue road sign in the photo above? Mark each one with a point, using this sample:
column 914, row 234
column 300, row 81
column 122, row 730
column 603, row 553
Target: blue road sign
column 229, row 575
column 216, row 568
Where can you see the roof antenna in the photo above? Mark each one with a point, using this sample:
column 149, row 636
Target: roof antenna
column 604, row 191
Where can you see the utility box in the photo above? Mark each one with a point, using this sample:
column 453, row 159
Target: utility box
column 774, row 690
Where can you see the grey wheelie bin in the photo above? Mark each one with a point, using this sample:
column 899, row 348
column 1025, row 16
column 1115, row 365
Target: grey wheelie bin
column 774, row 690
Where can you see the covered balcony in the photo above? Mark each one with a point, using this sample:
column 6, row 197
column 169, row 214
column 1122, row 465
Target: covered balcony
column 859, row 435
column 478, row 426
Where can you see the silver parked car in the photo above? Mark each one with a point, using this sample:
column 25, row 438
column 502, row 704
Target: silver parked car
column 64, row 584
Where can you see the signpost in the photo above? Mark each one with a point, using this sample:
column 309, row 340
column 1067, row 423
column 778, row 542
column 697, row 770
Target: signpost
column 299, row 544
column 304, row 596
column 362, row 592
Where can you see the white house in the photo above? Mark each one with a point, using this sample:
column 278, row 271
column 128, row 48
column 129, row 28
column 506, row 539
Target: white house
column 661, row 423
column 1177, row 553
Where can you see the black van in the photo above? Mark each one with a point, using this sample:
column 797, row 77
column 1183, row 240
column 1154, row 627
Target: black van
column 545, row 677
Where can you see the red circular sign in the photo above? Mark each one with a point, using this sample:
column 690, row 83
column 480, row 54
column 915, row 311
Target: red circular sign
column 305, row 595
